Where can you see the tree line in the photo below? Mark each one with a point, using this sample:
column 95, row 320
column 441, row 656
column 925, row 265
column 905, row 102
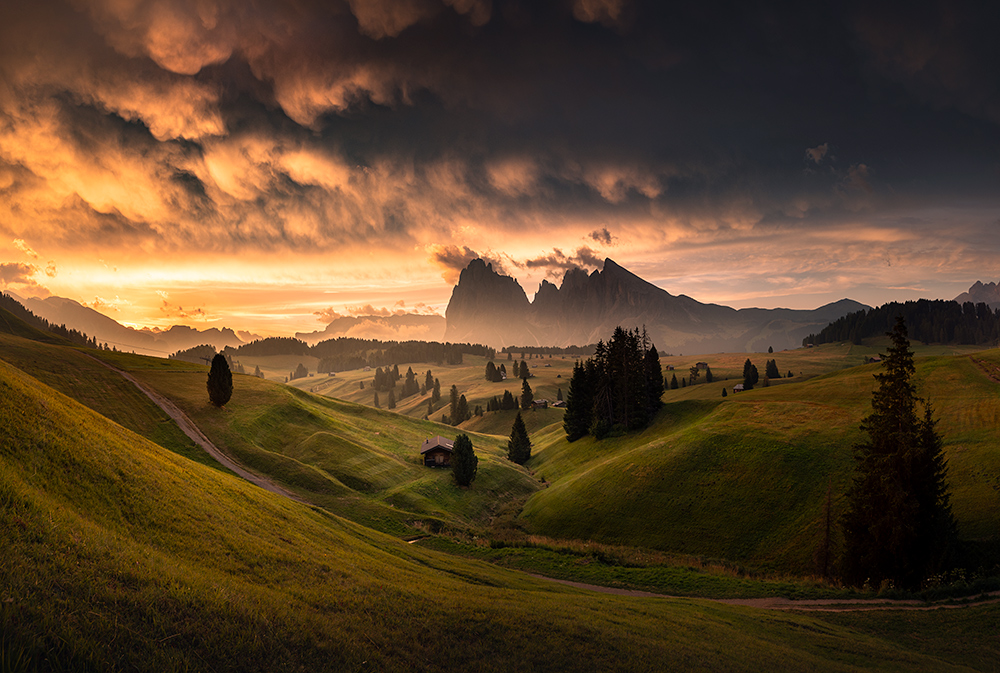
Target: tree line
column 928, row 321
column 74, row 336
column 345, row 353
column 617, row 390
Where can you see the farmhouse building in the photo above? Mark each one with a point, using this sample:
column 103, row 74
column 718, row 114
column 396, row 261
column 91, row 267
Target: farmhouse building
column 437, row 451
column 738, row 388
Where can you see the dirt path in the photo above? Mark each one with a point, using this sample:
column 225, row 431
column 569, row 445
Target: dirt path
column 188, row 427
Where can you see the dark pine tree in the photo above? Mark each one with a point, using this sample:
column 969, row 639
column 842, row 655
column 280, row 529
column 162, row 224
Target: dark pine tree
column 673, row 382
column 519, row 445
column 527, row 397
column 898, row 526
column 391, row 402
column 464, row 463
column 453, row 410
column 750, row 375
column 436, row 394
column 579, row 405
column 220, row 381
column 508, row 402
column 491, row 372
column 462, row 413
column 377, row 406
column 428, row 381
column 771, row 370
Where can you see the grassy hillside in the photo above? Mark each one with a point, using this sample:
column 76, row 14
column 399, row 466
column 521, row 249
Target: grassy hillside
column 745, row 478
column 120, row 555
column 70, row 371
column 355, row 460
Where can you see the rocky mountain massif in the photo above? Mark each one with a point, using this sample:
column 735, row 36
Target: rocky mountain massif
column 988, row 293
column 490, row 308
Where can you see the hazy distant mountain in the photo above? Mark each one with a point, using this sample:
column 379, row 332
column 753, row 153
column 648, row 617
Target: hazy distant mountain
column 406, row 327
column 487, row 307
column 62, row 311
column 987, row 294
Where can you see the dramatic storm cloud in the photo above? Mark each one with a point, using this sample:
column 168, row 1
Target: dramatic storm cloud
column 275, row 161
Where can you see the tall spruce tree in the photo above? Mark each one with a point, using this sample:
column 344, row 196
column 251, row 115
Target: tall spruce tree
column 898, row 526
column 464, row 462
column 527, row 396
column 519, row 445
column 579, row 405
column 220, row 381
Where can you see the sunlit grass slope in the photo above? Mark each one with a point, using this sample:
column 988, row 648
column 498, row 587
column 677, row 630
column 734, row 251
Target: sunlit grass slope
column 120, row 555
column 69, row 370
column 745, row 478
column 355, row 460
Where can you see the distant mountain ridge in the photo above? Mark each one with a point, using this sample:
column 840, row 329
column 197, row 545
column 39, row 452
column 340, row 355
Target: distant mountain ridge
column 988, row 293
column 405, row 327
column 62, row 311
column 491, row 308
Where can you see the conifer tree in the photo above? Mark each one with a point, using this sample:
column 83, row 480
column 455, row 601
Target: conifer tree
column 454, row 406
column 519, row 445
column 436, row 394
column 257, row 372
column 579, row 405
column 464, row 463
column 559, row 397
column 708, row 375
column 377, row 406
column 462, row 413
column 508, row 402
column 771, row 370
column 750, row 375
column 220, row 381
column 527, row 397
column 898, row 526
column 673, row 382
column 428, row 380
column 491, row 371
column 391, row 402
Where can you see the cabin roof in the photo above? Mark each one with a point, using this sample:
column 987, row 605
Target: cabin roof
column 438, row 442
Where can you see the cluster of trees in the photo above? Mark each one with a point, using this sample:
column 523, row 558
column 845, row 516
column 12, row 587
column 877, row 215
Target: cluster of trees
column 459, row 408
column 345, row 353
column 937, row 321
column 504, row 403
column 617, row 390
column 301, row 372
column 898, row 527
column 495, row 374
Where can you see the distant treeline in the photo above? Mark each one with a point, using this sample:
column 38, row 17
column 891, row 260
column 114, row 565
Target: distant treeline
column 345, row 353
column 16, row 308
column 929, row 321
column 551, row 350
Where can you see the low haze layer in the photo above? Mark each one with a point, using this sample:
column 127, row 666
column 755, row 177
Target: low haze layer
column 272, row 166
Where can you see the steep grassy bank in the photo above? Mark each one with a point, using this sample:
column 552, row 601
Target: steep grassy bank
column 120, row 555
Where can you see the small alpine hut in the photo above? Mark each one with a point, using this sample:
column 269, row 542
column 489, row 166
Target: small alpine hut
column 437, row 451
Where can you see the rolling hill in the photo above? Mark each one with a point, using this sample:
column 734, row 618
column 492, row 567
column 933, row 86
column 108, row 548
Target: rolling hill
column 745, row 477
column 121, row 555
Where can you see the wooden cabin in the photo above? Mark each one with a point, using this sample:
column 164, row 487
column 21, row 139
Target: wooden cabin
column 437, row 451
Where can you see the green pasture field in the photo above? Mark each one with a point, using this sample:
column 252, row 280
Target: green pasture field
column 121, row 555
column 745, row 478
column 361, row 462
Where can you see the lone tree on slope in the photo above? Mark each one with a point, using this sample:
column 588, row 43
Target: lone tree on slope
column 519, row 445
column 464, row 462
column 220, row 381
column 898, row 525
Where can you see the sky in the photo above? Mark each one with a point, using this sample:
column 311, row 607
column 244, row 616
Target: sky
column 270, row 165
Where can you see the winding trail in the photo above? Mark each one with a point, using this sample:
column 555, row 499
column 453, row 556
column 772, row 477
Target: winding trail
column 188, row 427
column 773, row 603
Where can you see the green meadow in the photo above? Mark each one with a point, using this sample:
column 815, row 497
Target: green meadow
column 122, row 555
column 126, row 548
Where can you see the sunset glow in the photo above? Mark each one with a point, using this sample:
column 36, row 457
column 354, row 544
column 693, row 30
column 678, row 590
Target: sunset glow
column 264, row 166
